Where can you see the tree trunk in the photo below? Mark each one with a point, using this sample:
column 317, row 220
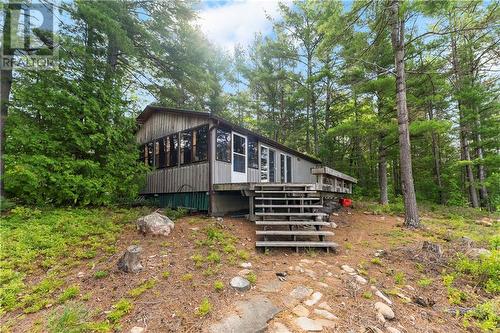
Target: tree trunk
column 396, row 181
column 464, row 145
column 397, row 38
column 10, row 26
column 436, row 156
column 481, row 173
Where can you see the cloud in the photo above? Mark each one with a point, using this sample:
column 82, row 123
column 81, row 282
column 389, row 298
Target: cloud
column 231, row 23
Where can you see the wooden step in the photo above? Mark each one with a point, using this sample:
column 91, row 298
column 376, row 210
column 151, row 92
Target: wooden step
column 294, row 233
column 310, row 222
column 288, row 206
column 286, row 192
column 294, row 244
column 298, row 198
column 290, row 214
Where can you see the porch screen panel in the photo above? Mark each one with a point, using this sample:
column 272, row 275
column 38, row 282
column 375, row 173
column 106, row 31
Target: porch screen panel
column 223, row 145
column 272, row 166
column 282, row 168
column 264, row 157
column 288, row 169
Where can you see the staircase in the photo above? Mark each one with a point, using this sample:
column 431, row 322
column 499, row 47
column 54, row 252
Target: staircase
column 288, row 216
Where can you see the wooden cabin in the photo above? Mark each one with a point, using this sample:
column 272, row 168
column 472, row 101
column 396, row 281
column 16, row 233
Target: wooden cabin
column 204, row 162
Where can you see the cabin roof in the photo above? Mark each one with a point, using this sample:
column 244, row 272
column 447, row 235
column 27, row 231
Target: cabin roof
column 150, row 109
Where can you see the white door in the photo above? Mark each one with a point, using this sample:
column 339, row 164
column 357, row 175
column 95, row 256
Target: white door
column 239, row 160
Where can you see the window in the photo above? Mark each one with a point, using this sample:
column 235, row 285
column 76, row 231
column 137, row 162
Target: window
column 171, row 150
column 223, row 145
column 149, row 154
column 157, row 153
column 272, row 166
column 253, row 153
column 200, row 144
column 186, row 147
column 264, row 159
column 288, row 169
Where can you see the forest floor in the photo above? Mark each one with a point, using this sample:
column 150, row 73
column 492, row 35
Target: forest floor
column 59, row 273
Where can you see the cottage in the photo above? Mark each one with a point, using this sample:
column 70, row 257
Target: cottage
column 204, row 162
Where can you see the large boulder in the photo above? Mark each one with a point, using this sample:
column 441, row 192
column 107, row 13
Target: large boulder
column 155, row 224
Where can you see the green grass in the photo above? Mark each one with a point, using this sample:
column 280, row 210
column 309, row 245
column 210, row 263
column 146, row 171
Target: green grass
column 142, row 288
column 165, row 274
column 204, row 308
column 214, row 257
column 251, row 277
column 101, row 274
column 120, row 309
column 399, row 278
column 70, row 293
column 52, row 240
column 187, row 277
column 376, row 261
column 74, row 318
column 424, row 282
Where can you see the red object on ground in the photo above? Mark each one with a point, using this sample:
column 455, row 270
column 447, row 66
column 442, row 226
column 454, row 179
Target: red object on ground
column 345, row 202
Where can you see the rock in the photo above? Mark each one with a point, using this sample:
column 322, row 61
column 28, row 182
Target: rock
column 380, row 318
column 475, row 252
column 485, row 221
column 466, row 241
column 380, row 253
column 333, row 225
column 424, row 301
column 405, row 298
column 307, row 261
column 130, row 261
column 392, row 330
column 278, row 327
column 80, row 275
column 310, row 273
column 432, row 248
column 384, row 310
column 348, row 269
column 326, row 323
column 194, row 229
column 271, row 287
column 314, row 299
column 300, row 311
column 325, row 306
column 240, row 283
column 325, row 314
column 301, row 293
column 409, row 287
column 155, row 224
column 321, row 262
column 246, row 265
column 360, row 279
column 308, row 325
column 322, row 285
column 382, row 296
column 249, row 317
column 244, row 272
column 137, row 329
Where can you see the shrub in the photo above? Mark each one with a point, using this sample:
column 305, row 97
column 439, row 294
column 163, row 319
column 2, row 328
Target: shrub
column 251, row 277
column 485, row 270
column 218, row 285
column 187, row 277
column 165, row 274
column 486, row 314
column 376, row 261
column 399, row 278
column 424, row 282
column 214, row 257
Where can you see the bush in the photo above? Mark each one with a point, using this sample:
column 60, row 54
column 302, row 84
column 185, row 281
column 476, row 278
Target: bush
column 487, row 316
column 486, row 270
column 204, row 308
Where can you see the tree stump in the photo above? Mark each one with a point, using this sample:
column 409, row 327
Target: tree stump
column 130, row 261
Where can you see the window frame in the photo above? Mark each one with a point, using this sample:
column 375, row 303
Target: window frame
column 194, row 146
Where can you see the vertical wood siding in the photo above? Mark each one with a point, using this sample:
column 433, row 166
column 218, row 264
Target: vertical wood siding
column 161, row 124
column 189, row 178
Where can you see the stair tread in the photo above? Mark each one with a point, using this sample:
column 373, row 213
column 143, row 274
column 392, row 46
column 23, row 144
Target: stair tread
column 289, row 198
column 292, row 223
column 288, row 206
column 295, row 232
column 295, row 244
column 289, row 214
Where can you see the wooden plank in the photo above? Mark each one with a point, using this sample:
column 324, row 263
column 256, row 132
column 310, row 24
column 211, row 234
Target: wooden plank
column 294, row 232
column 294, row 244
column 287, row 192
column 298, row 198
column 310, row 222
column 288, row 206
column 290, row 214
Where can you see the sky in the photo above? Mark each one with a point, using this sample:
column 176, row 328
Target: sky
column 229, row 23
